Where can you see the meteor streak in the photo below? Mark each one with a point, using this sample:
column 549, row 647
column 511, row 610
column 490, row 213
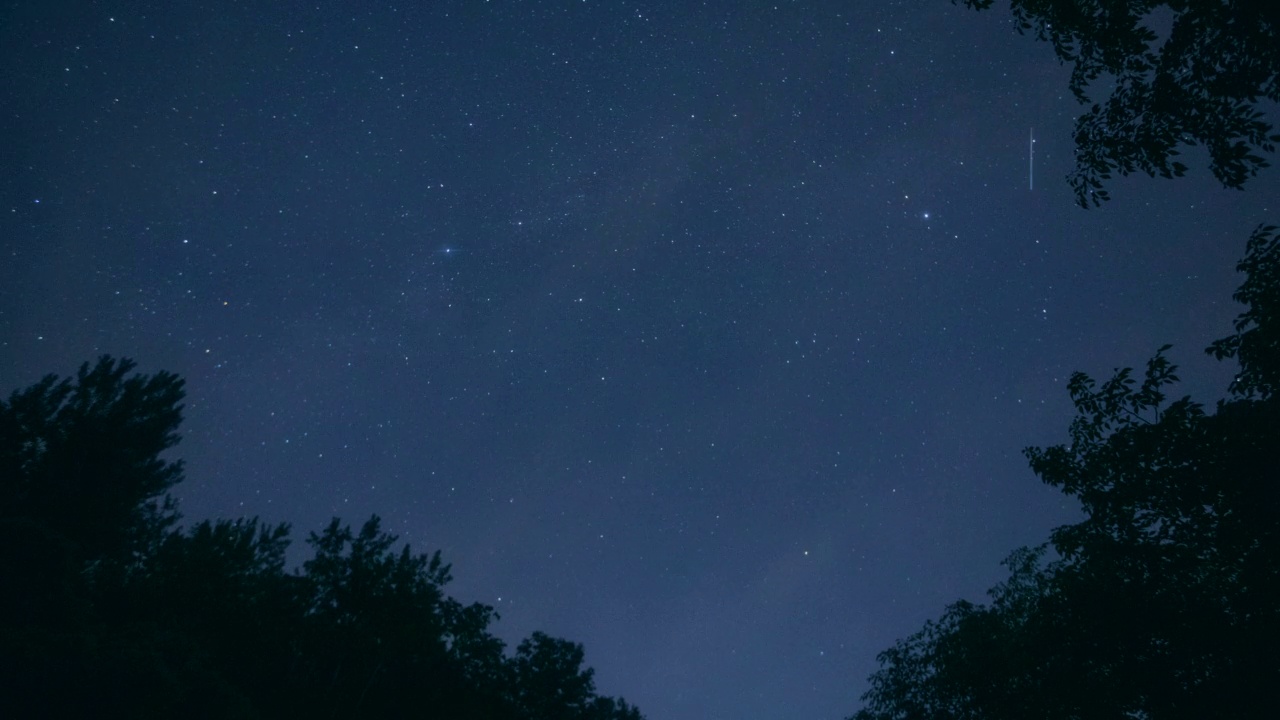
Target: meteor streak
column 1031, row 167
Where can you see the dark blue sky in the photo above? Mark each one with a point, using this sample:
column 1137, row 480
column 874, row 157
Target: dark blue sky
column 705, row 334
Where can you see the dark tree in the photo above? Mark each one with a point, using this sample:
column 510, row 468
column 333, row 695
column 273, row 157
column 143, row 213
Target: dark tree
column 1186, row 73
column 1161, row 603
column 551, row 684
column 84, row 505
column 228, row 607
column 83, row 459
column 550, row 680
column 109, row 611
column 1256, row 342
column 374, row 622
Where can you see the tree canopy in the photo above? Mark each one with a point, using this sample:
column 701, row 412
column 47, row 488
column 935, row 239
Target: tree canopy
column 112, row 610
column 1161, row 603
column 84, row 459
column 1187, row 73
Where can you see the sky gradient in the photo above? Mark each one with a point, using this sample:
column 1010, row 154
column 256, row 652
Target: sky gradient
column 707, row 335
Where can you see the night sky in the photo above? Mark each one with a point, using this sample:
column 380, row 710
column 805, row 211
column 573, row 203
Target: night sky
column 707, row 335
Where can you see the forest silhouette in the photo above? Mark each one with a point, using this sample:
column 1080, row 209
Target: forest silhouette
column 1162, row 601
column 111, row 610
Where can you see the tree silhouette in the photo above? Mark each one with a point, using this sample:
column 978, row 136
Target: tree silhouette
column 551, row 684
column 83, row 459
column 109, row 610
column 1161, row 602
column 374, row 623
column 549, row 678
column 1216, row 62
column 1256, row 342
column 84, row 506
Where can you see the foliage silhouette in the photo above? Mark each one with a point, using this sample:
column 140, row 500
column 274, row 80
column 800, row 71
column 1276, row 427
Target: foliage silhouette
column 552, row 683
column 1256, row 342
column 1216, row 64
column 84, row 460
column 1161, row 602
column 112, row 611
